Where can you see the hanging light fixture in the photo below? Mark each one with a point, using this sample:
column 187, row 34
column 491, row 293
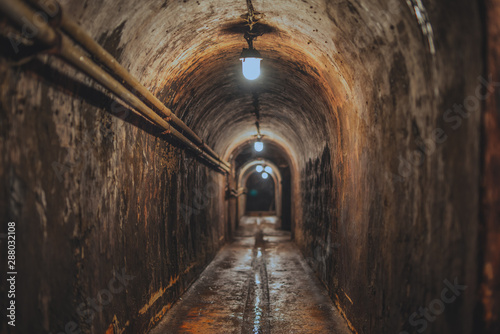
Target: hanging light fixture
column 265, row 175
column 268, row 170
column 258, row 145
column 250, row 63
column 259, row 168
column 251, row 58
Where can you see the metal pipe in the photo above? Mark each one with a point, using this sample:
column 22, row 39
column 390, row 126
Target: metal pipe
column 18, row 12
column 85, row 64
column 96, row 50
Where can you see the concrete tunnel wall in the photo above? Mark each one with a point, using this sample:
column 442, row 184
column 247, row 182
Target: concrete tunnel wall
column 349, row 88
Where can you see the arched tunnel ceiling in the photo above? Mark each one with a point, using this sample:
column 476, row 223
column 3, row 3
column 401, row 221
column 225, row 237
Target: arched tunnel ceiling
column 317, row 56
column 277, row 154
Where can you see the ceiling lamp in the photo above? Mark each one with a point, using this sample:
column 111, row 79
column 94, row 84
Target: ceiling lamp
column 265, row 175
column 259, row 168
column 268, row 170
column 258, row 145
column 250, row 61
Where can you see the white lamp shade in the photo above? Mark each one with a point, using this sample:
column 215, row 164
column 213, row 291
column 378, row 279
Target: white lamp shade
column 258, row 146
column 251, row 67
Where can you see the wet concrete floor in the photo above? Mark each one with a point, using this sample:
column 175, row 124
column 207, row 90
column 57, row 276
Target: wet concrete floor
column 260, row 283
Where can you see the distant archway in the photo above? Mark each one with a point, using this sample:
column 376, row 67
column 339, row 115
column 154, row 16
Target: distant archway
column 246, row 172
column 260, row 195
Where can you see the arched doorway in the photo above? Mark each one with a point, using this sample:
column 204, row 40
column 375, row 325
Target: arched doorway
column 260, row 183
column 281, row 160
column 260, row 198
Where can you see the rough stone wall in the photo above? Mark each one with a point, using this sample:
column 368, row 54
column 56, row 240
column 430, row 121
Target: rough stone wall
column 91, row 195
column 490, row 236
column 390, row 212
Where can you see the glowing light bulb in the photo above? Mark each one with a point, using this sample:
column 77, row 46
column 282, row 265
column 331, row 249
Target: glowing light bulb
column 259, row 168
column 265, row 175
column 258, row 146
column 268, row 170
column 251, row 67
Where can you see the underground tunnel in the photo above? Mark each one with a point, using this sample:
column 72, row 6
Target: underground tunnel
column 250, row 166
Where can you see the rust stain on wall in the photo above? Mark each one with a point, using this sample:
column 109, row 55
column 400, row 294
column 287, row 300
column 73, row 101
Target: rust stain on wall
column 344, row 315
column 153, row 299
column 173, row 280
column 156, row 319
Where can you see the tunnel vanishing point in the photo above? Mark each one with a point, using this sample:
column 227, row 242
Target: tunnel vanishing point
column 135, row 197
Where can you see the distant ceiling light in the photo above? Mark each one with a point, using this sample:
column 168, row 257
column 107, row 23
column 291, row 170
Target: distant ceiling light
column 258, row 146
column 250, row 62
column 265, row 175
column 268, row 169
column 259, row 168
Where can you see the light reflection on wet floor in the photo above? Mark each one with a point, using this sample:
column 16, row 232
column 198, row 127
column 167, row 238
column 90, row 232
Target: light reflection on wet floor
column 258, row 284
